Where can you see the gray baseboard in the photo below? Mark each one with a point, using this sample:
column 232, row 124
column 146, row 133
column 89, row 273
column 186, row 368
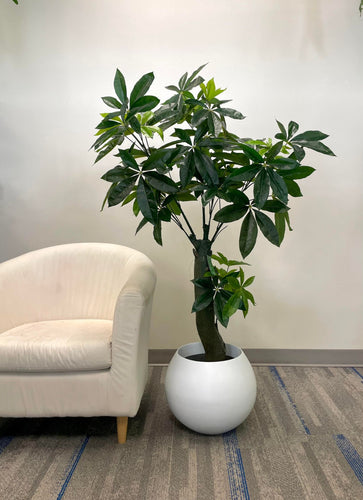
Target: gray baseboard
column 316, row 357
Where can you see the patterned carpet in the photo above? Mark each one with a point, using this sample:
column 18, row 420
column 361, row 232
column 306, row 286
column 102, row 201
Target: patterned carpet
column 303, row 440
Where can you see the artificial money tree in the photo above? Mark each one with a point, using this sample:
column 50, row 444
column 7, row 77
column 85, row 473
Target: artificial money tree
column 201, row 161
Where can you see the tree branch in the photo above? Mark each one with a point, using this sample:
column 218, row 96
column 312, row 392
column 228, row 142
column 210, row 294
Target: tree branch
column 205, row 225
column 175, row 219
column 188, row 224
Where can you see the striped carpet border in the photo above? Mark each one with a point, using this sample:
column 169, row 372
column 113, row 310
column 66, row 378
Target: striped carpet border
column 283, row 387
column 72, row 466
column 357, row 372
column 236, row 473
column 351, row 456
column 234, row 467
column 4, row 442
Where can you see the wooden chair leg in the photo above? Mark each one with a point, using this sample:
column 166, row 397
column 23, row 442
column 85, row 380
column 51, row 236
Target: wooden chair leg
column 122, row 429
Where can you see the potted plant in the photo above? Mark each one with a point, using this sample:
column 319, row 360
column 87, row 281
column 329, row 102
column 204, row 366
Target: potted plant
column 232, row 179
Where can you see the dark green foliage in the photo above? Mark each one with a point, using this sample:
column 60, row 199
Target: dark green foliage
column 233, row 178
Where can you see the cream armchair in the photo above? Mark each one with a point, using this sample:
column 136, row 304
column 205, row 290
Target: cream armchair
column 74, row 323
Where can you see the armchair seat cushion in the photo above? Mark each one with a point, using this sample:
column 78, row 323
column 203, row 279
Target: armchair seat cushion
column 70, row 345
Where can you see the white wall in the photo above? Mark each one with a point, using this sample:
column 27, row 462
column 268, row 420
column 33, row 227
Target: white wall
column 286, row 59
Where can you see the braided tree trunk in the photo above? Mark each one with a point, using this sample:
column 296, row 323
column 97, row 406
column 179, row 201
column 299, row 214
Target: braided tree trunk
column 213, row 344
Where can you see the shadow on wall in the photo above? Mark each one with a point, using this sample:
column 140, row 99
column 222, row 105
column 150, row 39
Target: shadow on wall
column 313, row 32
column 259, row 330
column 12, row 242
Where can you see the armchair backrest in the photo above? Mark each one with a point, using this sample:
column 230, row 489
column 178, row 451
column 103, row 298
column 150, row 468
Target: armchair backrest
column 73, row 281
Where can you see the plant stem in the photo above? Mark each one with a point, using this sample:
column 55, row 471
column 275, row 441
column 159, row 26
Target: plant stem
column 205, row 225
column 175, row 219
column 188, row 224
column 215, row 349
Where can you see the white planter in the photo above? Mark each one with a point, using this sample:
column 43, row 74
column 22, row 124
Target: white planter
column 210, row 397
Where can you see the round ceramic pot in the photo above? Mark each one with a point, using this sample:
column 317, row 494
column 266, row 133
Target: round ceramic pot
column 210, row 397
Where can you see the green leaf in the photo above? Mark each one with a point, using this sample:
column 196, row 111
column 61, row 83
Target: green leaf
column 117, row 174
column 147, row 202
column 310, row 135
column 284, row 163
column 128, row 159
column 187, row 169
column 275, row 206
column 231, row 113
column 135, row 124
column 222, row 259
column 230, row 213
column 182, row 80
column 243, row 174
column 194, row 83
column 278, row 186
column 237, row 263
column 120, row 191
column 232, row 305
column 280, row 136
column 140, row 88
column 267, row 228
column 287, row 219
column 238, row 198
column 106, row 124
column 141, row 225
column 195, row 72
column 293, row 188
column 211, row 266
column 195, row 102
column 198, row 117
column 248, row 296
column 248, row 235
column 292, row 129
column 219, row 303
column 185, row 196
column 112, row 102
column 161, row 182
column 135, row 206
column 319, row 147
column 280, row 225
column 183, row 135
column 165, row 214
column 261, row 188
column 274, row 151
column 161, row 114
column 157, row 233
column 203, row 283
column 249, row 281
column 202, row 129
column 283, row 130
column 206, row 168
column 129, row 198
column 145, row 103
column 107, row 149
column 174, row 88
column 112, row 132
column 120, row 86
column 252, row 153
column 214, row 124
column 299, row 153
column 202, row 301
column 235, row 158
column 174, row 207
column 298, row 173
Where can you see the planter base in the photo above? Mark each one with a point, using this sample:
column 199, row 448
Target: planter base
column 210, row 397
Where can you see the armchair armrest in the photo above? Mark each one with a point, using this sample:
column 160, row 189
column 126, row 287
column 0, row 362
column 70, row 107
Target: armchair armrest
column 131, row 330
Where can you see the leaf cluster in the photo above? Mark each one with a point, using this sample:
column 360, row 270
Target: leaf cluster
column 226, row 286
column 232, row 178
